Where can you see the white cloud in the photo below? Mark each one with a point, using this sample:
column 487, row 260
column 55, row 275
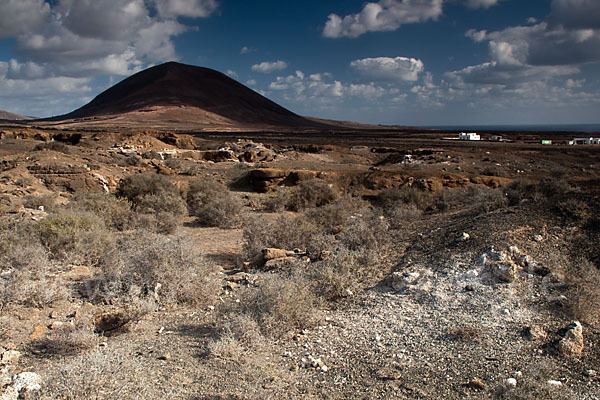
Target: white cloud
column 267, row 67
column 572, row 83
column 366, row 90
column 251, row 82
column 322, row 88
column 84, row 38
column 19, row 16
column 246, row 50
column 232, row 74
column 389, row 69
column 39, row 97
column 475, row 35
column 185, row 8
column 481, row 3
column 385, row 15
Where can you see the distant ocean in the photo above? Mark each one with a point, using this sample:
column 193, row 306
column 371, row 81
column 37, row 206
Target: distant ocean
column 521, row 128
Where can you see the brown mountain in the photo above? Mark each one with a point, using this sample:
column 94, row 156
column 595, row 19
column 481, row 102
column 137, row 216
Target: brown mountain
column 183, row 93
column 12, row 117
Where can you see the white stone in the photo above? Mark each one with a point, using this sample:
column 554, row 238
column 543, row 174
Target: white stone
column 554, row 384
column 511, row 382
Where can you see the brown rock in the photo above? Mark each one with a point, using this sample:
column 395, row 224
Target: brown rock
column 572, row 343
column 476, row 384
column 272, row 253
column 78, row 273
column 39, row 331
column 10, row 356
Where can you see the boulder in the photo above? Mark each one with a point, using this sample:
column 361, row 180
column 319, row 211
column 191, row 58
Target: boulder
column 272, row 253
column 23, row 385
column 498, row 266
column 39, row 331
column 572, row 343
column 10, row 356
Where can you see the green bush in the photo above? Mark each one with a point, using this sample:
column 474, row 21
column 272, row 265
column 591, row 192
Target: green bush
column 213, row 204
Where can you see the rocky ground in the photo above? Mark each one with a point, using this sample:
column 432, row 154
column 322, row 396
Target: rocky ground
column 469, row 303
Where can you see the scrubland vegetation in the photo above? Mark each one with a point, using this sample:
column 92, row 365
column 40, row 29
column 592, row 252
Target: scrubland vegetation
column 139, row 261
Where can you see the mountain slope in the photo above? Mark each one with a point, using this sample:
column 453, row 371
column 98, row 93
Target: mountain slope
column 179, row 85
column 12, row 117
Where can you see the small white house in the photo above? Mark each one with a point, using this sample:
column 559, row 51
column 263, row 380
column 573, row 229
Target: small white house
column 468, row 136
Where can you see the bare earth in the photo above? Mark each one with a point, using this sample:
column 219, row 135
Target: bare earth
column 442, row 330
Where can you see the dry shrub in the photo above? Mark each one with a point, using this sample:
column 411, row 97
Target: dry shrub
column 213, row 204
column 583, row 280
column 487, row 200
column 395, row 196
column 575, row 210
column 310, row 194
column 28, row 277
column 54, row 146
column 115, row 212
column 278, row 199
column 75, row 237
column 151, row 194
column 70, row 339
column 402, row 215
column 141, row 261
column 285, row 232
column 48, row 202
column 340, row 275
column 345, row 241
column 108, row 375
column 522, row 189
column 279, row 304
column 334, row 217
column 237, row 333
column 554, row 186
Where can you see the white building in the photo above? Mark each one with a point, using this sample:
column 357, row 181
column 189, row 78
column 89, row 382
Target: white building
column 590, row 140
column 468, row 136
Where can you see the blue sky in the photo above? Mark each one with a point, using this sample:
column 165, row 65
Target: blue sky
column 412, row 62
